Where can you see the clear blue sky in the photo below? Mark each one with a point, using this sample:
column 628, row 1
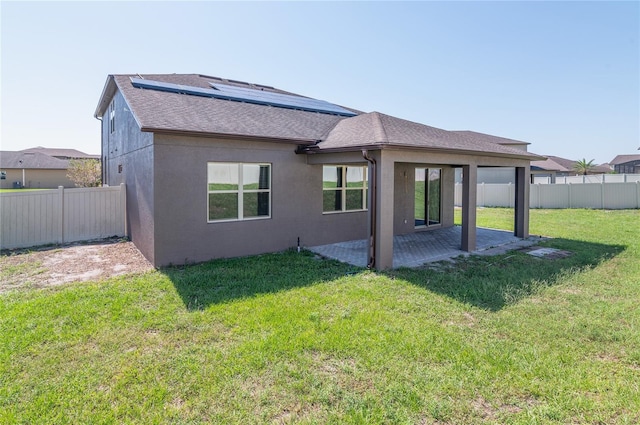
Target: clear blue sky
column 563, row 76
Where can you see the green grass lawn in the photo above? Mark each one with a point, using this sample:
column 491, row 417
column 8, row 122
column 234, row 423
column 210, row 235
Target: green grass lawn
column 286, row 338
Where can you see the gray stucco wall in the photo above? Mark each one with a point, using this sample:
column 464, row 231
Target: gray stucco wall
column 404, row 202
column 128, row 158
column 182, row 233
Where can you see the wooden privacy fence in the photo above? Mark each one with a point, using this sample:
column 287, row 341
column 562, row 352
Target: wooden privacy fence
column 61, row 215
column 610, row 196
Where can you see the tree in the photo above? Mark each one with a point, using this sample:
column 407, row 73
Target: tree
column 85, row 172
column 583, row 167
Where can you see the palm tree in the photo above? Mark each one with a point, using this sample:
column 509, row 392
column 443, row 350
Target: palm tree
column 583, row 167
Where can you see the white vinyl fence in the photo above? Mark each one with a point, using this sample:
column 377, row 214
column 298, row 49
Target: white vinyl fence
column 591, row 178
column 61, row 215
column 610, row 196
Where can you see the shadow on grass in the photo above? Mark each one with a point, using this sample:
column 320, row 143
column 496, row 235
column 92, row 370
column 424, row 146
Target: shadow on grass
column 220, row 281
column 493, row 282
column 490, row 283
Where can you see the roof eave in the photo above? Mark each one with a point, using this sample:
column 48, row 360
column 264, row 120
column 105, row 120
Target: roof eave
column 108, row 91
column 232, row 136
column 529, row 156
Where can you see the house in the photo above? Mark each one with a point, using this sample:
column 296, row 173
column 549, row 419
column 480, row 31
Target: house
column 626, row 164
column 32, row 170
column 38, row 168
column 222, row 168
column 555, row 166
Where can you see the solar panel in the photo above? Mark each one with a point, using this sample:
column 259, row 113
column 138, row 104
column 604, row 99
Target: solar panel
column 281, row 100
column 240, row 94
column 170, row 87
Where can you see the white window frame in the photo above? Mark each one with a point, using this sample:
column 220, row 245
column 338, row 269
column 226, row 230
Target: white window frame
column 344, row 188
column 240, row 192
column 112, row 117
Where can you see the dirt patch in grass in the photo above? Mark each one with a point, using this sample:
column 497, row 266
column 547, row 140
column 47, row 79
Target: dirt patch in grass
column 51, row 266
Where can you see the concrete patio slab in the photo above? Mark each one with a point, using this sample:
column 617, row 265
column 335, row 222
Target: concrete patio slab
column 416, row 249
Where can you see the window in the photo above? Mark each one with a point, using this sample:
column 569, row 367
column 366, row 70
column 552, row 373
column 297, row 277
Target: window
column 427, row 197
column 344, row 188
column 112, row 116
column 238, row 191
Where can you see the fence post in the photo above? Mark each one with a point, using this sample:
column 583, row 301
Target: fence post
column 638, row 193
column 123, row 202
column 61, row 212
column 602, row 192
column 569, row 195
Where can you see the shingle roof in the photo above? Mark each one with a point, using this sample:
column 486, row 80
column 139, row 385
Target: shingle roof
column 376, row 129
column 554, row 163
column 11, row 159
column 158, row 111
column 61, row 152
column 621, row 159
column 161, row 111
column 474, row 135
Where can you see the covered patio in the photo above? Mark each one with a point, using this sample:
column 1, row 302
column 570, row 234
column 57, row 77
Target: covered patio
column 416, row 249
column 411, row 185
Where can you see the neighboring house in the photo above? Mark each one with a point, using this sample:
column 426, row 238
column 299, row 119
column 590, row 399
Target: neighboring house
column 222, row 168
column 61, row 153
column 32, row 170
column 626, row 164
column 494, row 175
column 555, row 166
column 38, row 168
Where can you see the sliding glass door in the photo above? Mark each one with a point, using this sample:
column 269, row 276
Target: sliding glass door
column 428, row 191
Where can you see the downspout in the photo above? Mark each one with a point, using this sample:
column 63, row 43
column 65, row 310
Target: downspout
column 372, row 209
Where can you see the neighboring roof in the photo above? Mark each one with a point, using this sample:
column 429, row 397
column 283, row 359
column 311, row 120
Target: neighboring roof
column 376, row 129
column 621, row 159
column 474, row 135
column 11, row 159
column 555, row 163
column 169, row 111
column 61, row 152
column 602, row 168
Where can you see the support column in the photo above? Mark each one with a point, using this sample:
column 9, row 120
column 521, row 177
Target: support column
column 469, row 200
column 383, row 238
column 521, row 224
